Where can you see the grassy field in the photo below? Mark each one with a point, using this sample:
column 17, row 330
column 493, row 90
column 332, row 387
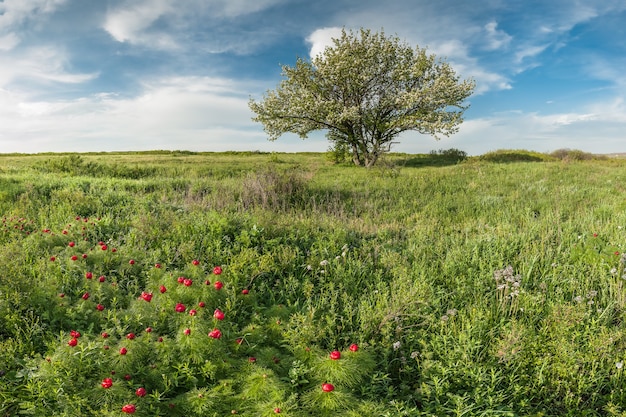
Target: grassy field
column 493, row 286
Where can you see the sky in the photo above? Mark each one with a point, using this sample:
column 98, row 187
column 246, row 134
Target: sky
column 132, row 75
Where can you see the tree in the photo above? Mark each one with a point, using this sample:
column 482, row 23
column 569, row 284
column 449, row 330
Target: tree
column 365, row 90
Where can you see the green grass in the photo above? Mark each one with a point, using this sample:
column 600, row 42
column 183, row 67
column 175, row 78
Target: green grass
column 401, row 259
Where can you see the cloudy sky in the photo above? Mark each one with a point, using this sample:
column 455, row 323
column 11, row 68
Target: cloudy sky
column 115, row 75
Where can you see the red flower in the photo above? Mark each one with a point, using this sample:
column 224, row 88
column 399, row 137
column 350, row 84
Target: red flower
column 192, row 312
column 131, row 262
column 101, row 278
column 218, row 314
column 128, row 377
column 62, row 294
column 218, row 285
column 71, row 244
column 180, row 308
column 252, row 359
column 201, row 304
column 99, row 307
column 245, row 291
column 157, row 266
column 217, row 270
column 88, row 275
column 187, row 282
column 195, row 262
column 123, row 351
column 52, row 258
column 107, row 383
column 84, row 256
column 129, row 409
column 86, row 296
column 75, row 334
column 162, row 289
column 148, row 329
column 187, row 332
column 146, row 296
column 130, row 336
column 207, row 282
column 73, row 342
column 215, row 334
column 74, row 258
column 104, row 247
column 277, row 410
column 354, row 347
column 180, row 280
column 328, row 387
column 141, row 392
column 335, row 354
column 104, row 335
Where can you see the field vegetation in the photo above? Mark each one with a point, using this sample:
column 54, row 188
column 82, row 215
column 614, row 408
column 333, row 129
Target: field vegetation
column 210, row 284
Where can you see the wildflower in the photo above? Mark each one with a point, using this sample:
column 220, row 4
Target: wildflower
column 107, row 383
column 218, row 314
column 328, row 387
column 354, row 347
column 215, row 334
column 396, row 345
column 619, row 365
column 129, row 409
column 217, row 270
column 335, row 354
column 324, row 262
column 414, row 355
column 140, row 392
column 147, row 296
column 180, row 308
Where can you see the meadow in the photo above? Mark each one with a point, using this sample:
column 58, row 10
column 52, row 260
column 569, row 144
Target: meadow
column 212, row 284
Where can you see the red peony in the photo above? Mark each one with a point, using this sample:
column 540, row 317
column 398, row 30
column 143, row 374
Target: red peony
column 215, row 334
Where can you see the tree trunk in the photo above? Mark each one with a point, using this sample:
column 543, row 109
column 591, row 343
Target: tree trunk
column 356, row 158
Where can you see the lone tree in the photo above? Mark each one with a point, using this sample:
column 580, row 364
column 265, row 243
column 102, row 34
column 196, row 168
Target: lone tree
column 365, row 90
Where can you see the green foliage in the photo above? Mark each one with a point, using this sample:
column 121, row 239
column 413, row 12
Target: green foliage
column 470, row 289
column 574, row 155
column 365, row 90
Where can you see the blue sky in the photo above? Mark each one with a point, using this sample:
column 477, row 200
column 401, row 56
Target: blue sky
column 116, row 75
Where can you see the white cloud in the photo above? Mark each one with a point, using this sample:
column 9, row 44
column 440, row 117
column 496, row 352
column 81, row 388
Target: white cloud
column 9, row 41
column 14, row 12
column 128, row 24
column 496, row 39
column 165, row 24
column 321, row 38
column 171, row 113
column 43, row 64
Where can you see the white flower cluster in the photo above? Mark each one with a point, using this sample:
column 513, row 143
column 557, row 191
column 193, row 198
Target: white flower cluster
column 507, row 282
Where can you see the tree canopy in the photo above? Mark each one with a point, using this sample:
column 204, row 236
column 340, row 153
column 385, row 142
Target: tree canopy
column 365, row 89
